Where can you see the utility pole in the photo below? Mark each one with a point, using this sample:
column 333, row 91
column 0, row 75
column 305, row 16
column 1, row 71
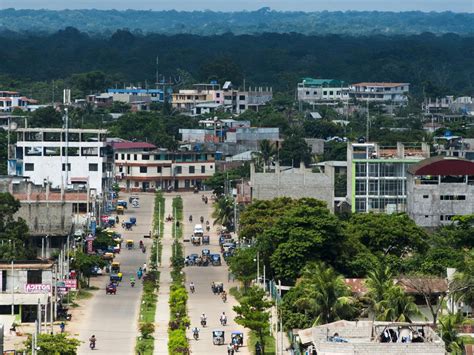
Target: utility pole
column 13, row 291
column 368, row 123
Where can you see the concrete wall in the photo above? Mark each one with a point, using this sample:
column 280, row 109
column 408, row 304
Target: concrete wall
column 47, row 218
column 425, row 207
column 296, row 183
column 380, row 348
column 316, row 144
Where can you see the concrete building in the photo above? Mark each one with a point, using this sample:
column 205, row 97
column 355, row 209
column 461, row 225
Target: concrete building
column 10, row 100
column 207, row 98
column 380, row 92
column 140, row 166
column 49, row 155
column 317, row 91
column 294, row 183
column 438, row 189
column 454, row 146
column 130, row 95
column 22, row 284
column 371, row 338
column 376, row 175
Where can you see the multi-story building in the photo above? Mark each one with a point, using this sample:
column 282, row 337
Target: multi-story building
column 9, row 100
column 63, row 158
column 24, row 285
column 438, row 189
column 380, row 92
column 130, row 95
column 376, row 175
column 315, row 91
column 140, row 167
column 207, row 98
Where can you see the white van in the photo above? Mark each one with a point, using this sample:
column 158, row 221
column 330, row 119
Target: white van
column 198, row 230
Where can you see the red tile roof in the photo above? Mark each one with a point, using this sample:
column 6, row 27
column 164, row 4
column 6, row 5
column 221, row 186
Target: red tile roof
column 133, row 145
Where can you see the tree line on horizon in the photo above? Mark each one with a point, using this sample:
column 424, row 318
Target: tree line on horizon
column 434, row 65
column 354, row 23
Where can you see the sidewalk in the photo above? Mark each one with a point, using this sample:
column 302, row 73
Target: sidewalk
column 162, row 315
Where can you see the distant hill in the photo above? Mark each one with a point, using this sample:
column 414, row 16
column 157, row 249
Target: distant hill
column 105, row 22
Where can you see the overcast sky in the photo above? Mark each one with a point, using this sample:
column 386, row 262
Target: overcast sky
column 224, row 5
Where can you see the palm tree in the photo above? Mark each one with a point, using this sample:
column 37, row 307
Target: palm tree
column 396, row 306
column 326, row 294
column 223, row 213
column 378, row 282
column 267, row 151
column 449, row 333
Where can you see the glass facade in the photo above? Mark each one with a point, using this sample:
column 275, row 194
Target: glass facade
column 380, row 186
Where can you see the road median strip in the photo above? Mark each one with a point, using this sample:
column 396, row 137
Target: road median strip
column 179, row 321
column 145, row 342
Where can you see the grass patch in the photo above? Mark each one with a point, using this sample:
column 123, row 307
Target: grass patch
column 83, row 294
column 145, row 346
column 269, row 344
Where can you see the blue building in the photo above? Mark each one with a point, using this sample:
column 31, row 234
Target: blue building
column 156, row 95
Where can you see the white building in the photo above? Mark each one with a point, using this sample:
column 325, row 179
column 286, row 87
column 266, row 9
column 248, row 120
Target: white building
column 315, row 91
column 140, row 167
column 380, row 92
column 30, row 282
column 9, row 100
column 45, row 155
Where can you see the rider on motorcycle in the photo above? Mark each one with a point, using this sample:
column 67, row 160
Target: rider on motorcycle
column 224, row 296
column 92, row 341
column 191, row 287
column 203, row 319
column 223, row 318
column 196, row 332
column 132, row 281
column 190, row 218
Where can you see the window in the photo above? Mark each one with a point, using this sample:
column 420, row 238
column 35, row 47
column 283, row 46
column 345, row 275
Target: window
column 68, row 167
column 452, row 197
column 307, row 92
column 71, row 151
column 128, row 156
column 373, row 169
column 218, row 94
column 29, row 167
column 361, row 169
column 122, row 156
column 116, row 156
column 426, row 196
column 145, row 157
column 159, row 169
column 191, row 169
column 360, row 187
column 135, row 157
column 178, row 169
column 120, row 169
column 93, row 167
column 137, row 184
column 203, row 169
column 143, row 169
column 241, row 107
column 52, row 151
column 373, row 187
column 34, row 276
column 325, row 93
column 242, row 97
column 90, row 152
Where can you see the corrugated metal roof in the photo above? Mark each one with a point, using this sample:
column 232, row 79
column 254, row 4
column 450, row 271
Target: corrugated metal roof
column 442, row 165
column 133, row 145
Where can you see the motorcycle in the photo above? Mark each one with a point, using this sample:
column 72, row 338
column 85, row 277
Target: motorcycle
column 223, row 321
column 224, row 298
column 192, row 289
column 92, row 345
column 203, row 323
column 196, row 335
column 132, row 283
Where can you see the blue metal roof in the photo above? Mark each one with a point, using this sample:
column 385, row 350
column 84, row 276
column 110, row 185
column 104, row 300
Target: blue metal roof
column 135, row 91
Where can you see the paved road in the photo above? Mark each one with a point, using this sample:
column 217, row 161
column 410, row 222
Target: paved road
column 203, row 300
column 113, row 319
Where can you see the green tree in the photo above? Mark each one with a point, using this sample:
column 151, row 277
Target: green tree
column 223, row 213
column 266, row 152
column 252, row 313
column 84, row 263
column 378, row 282
column 396, row 306
column 294, row 151
column 13, row 231
column 243, row 266
column 54, row 344
column 449, row 333
column 326, row 294
column 3, row 151
column 387, row 234
column 46, row 117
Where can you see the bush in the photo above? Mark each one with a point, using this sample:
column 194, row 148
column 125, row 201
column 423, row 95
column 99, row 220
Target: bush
column 147, row 329
column 177, row 342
